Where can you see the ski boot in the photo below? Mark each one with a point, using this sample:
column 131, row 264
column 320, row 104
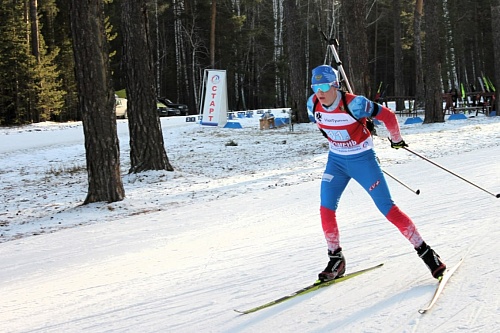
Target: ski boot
column 335, row 267
column 432, row 260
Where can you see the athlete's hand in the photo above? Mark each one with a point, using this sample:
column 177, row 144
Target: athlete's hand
column 399, row 144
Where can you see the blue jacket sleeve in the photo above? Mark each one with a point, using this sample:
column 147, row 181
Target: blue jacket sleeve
column 361, row 107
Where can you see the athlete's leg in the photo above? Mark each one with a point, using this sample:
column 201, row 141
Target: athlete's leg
column 369, row 175
column 333, row 183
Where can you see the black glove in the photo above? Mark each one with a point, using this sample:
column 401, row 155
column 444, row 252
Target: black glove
column 397, row 145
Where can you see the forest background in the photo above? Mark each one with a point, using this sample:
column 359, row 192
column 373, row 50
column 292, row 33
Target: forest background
column 257, row 43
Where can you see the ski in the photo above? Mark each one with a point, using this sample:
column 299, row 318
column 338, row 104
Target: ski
column 440, row 286
column 315, row 286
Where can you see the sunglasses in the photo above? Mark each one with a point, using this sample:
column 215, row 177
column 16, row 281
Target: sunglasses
column 324, row 87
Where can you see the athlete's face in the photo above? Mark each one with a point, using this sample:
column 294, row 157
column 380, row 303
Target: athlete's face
column 325, row 93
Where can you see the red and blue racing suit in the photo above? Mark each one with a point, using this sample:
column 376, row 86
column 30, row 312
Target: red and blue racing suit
column 351, row 156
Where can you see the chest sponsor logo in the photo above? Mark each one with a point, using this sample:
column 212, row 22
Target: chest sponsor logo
column 333, row 119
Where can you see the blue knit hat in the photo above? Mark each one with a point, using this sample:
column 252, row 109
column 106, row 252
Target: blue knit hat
column 324, row 74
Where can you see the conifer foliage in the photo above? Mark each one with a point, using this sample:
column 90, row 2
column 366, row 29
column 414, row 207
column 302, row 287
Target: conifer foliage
column 30, row 85
column 258, row 43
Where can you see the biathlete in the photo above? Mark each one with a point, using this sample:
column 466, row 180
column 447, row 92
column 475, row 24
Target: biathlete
column 341, row 117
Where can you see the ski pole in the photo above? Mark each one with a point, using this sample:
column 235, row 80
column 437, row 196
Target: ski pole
column 417, row 192
column 454, row 174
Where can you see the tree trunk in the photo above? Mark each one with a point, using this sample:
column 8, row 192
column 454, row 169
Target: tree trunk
column 147, row 151
column 96, row 101
column 432, row 71
column 298, row 97
column 356, row 42
column 398, row 56
column 417, row 46
column 35, row 33
column 495, row 18
column 212, row 33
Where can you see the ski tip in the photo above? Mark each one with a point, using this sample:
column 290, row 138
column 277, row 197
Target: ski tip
column 240, row 312
column 422, row 311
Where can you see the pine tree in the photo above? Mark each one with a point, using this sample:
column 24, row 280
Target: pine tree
column 65, row 62
column 50, row 96
column 97, row 100
column 16, row 66
column 147, row 151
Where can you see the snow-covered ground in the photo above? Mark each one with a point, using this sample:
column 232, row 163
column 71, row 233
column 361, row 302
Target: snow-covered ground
column 237, row 225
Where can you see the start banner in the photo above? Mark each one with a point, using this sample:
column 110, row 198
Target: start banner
column 214, row 107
